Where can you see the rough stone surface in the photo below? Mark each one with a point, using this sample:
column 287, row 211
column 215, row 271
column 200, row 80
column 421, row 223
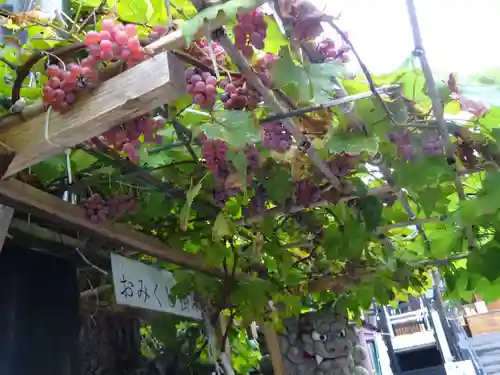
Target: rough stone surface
column 321, row 343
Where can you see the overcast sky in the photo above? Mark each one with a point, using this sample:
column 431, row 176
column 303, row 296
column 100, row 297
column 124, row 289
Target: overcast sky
column 459, row 35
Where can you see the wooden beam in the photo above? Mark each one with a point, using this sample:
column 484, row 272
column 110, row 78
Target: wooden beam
column 29, row 199
column 132, row 93
column 6, row 214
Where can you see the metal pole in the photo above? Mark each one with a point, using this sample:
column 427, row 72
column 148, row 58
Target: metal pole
column 388, row 334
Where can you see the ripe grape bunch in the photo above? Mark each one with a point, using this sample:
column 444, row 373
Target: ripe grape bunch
column 114, row 42
column 251, row 30
column 202, row 86
column 341, row 165
column 402, row 140
column 204, row 47
column 98, row 208
column 306, row 193
column 64, row 85
column 126, row 137
column 432, row 144
column 275, row 137
column 329, row 51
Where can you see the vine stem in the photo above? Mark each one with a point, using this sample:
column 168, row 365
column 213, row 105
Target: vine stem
column 437, row 106
column 272, row 102
column 294, row 209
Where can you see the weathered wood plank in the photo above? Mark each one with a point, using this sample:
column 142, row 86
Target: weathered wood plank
column 27, row 198
column 6, row 214
column 130, row 94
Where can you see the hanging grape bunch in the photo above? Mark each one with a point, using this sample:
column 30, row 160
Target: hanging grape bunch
column 237, row 95
column 206, row 48
column 403, row 142
column 251, row 30
column 98, row 209
column 275, row 137
column 64, row 85
column 125, row 138
column 432, row 144
column 343, row 164
column 306, row 193
column 114, row 42
column 329, row 51
column 202, row 86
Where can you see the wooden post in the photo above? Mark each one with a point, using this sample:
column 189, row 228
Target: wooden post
column 273, row 346
column 130, row 94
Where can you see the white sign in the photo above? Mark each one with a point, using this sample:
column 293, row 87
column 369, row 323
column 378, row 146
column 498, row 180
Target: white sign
column 139, row 285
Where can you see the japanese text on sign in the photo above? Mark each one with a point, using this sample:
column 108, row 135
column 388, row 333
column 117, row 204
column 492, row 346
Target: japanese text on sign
column 139, row 285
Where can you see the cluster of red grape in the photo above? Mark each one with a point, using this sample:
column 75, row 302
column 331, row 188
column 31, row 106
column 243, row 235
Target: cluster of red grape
column 251, row 30
column 306, row 193
column 64, row 85
column 403, row 141
column 126, row 137
column 432, row 144
column 465, row 153
column 237, row 95
column 205, row 56
column 215, row 158
column 342, row 164
column 329, row 51
column 257, row 203
column 306, row 22
column 275, row 137
column 158, row 32
column 202, row 86
column 98, row 209
column 114, row 42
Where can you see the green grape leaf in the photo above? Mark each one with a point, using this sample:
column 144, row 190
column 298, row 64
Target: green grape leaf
column 371, row 209
column 492, row 118
column 285, row 72
column 423, row 173
column 219, row 13
column 81, row 160
column 320, row 78
column 275, row 38
column 186, row 209
column 351, row 143
column 239, row 160
column 221, row 227
column 433, row 199
column 278, row 184
column 50, row 169
column 485, row 261
column 237, row 128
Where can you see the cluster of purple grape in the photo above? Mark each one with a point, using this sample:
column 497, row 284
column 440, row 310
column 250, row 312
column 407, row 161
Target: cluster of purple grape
column 306, row 22
column 403, row 141
column 465, row 153
column 329, row 51
column 251, row 30
column 205, row 47
column 126, row 137
column 122, row 204
column 64, row 85
column 257, row 204
column 98, row 209
column 432, row 144
column 342, row 164
column 236, row 95
column 215, row 159
column 202, row 86
column 306, row 193
column 275, row 137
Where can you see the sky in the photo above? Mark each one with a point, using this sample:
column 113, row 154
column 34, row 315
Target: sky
column 458, row 35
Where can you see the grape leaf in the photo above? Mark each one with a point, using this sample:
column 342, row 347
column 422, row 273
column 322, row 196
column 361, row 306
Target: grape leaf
column 433, row 199
column 320, row 78
column 351, row 143
column 275, row 38
column 186, row 209
column 82, row 160
column 237, row 128
column 278, row 184
column 285, row 72
column 221, row 227
column 371, row 209
column 218, row 14
column 422, row 173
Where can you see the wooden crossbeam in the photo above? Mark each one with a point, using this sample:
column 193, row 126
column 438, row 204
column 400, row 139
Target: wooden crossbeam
column 29, row 199
column 132, row 93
